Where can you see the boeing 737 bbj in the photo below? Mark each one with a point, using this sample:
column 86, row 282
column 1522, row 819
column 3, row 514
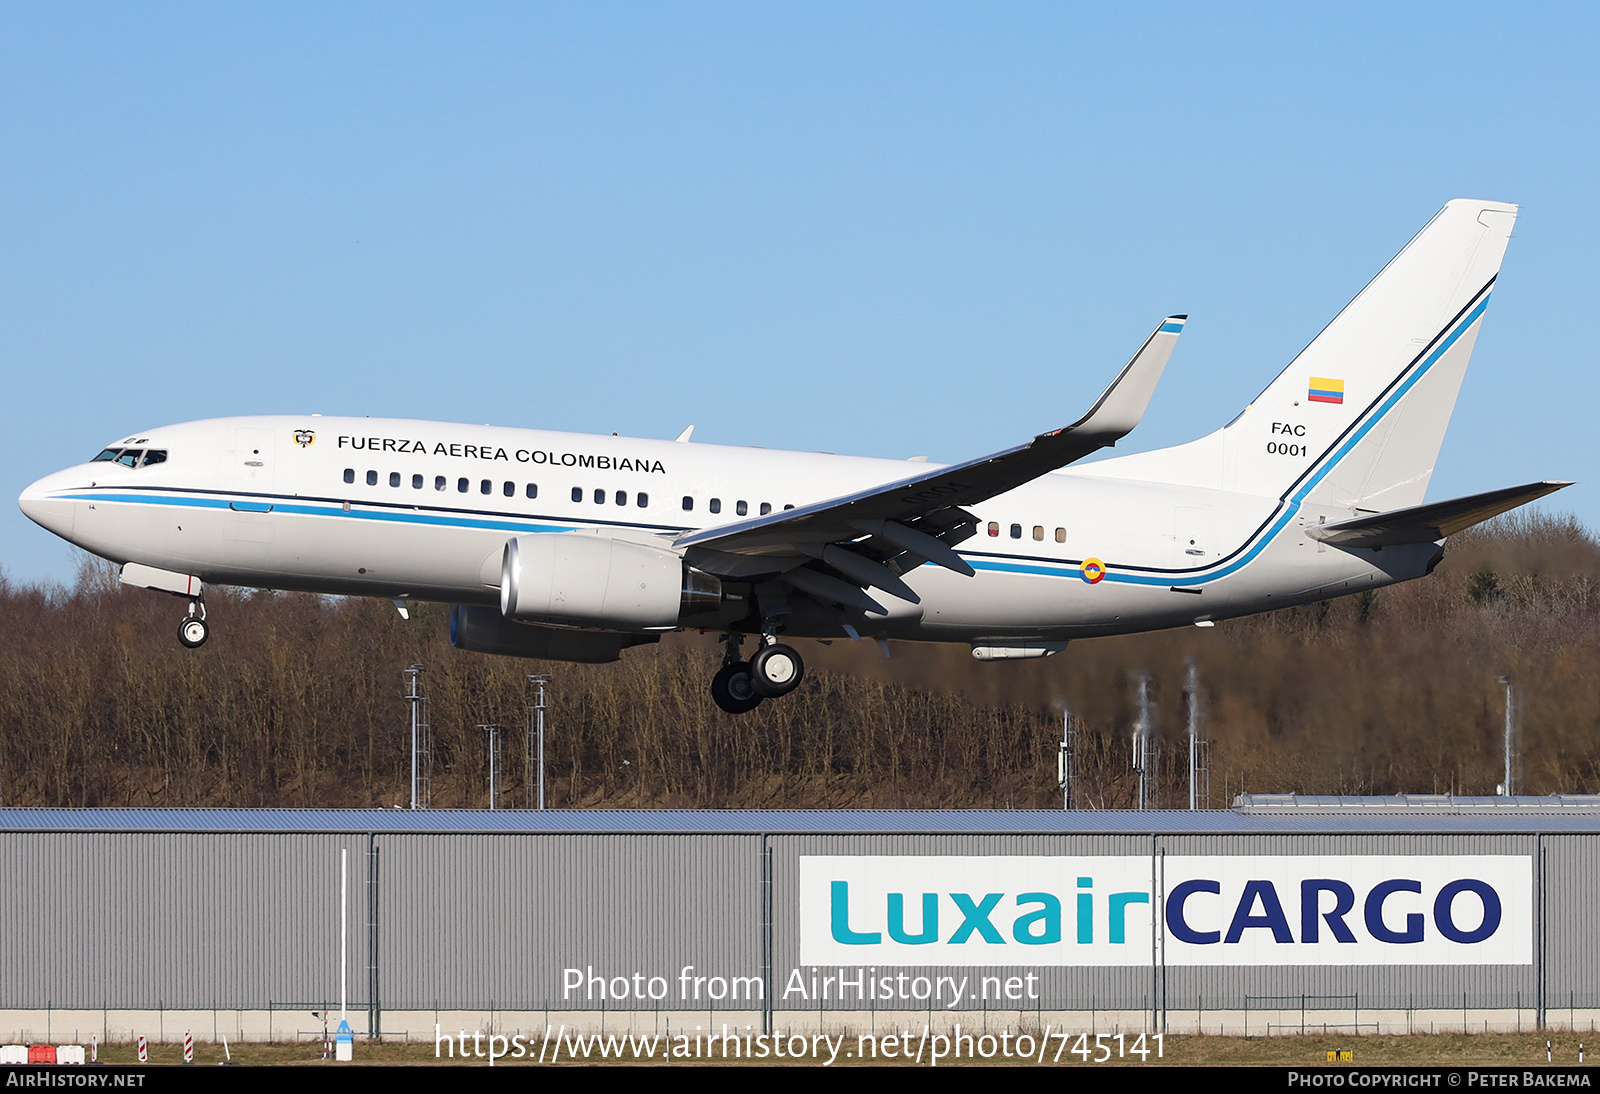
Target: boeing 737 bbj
column 574, row 547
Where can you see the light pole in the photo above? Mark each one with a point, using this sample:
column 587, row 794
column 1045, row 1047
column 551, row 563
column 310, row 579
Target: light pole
column 1144, row 746
column 1067, row 759
column 1509, row 788
column 421, row 746
column 494, row 762
column 536, row 743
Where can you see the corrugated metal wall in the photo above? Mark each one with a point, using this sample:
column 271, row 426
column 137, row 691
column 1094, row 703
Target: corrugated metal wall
column 176, row 920
column 243, row 921
column 1572, row 921
column 483, row 920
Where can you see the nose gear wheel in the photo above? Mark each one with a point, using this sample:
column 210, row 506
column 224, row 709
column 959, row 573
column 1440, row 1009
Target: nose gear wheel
column 193, row 632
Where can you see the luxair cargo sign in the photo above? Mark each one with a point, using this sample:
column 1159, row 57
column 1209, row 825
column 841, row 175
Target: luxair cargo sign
column 1270, row 910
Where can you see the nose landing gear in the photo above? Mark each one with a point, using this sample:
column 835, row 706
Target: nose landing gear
column 193, row 632
column 740, row 686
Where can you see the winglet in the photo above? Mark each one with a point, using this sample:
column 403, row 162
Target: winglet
column 683, row 438
column 1121, row 405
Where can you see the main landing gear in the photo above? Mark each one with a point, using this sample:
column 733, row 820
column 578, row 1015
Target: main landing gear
column 193, row 632
column 740, row 686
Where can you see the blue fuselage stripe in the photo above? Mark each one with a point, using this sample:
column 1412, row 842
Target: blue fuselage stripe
column 393, row 516
column 1038, row 567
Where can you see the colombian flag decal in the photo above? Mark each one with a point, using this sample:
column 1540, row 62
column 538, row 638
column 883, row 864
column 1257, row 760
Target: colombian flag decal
column 1093, row 570
column 1324, row 390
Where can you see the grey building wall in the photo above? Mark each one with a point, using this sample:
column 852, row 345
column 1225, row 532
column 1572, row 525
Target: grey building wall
column 175, row 920
column 495, row 920
column 203, row 917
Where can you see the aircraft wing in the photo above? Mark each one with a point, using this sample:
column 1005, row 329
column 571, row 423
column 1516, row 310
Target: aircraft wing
column 1426, row 523
column 919, row 518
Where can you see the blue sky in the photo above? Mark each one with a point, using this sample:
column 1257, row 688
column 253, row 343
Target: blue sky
column 882, row 229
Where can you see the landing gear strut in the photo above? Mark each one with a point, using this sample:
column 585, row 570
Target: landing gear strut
column 193, row 632
column 741, row 686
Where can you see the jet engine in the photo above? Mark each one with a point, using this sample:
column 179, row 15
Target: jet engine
column 574, row 579
column 482, row 629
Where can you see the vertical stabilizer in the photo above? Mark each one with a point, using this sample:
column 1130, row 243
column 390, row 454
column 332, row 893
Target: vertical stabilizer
column 1356, row 420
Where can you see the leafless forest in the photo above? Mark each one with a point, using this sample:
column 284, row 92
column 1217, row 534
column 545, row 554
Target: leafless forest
column 296, row 701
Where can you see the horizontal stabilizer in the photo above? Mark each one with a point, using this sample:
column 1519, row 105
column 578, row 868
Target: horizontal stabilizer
column 1427, row 523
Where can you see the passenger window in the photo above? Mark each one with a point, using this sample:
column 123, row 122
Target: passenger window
column 129, row 458
column 107, row 455
column 533, row 490
column 716, row 505
column 788, row 507
column 741, row 508
column 577, row 493
column 349, row 474
column 440, row 482
column 1038, row 533
column 766, row 507
column 485, row 486
column 416, row 482
column 372, row 478
column 599, row 497
column 154, row 456
column 462, row 486
column 622, row 497
column 394, row 478
column 509, row 489
column 994, row 529
column 688, row 504
column 1061, row 535
column 643, row 500
column 1016, row 531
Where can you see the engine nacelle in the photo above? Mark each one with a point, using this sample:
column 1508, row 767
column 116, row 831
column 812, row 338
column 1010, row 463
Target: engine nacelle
column 574, row 579
column 482, row 629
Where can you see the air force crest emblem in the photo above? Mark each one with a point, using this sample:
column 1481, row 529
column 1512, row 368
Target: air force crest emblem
column 305, row 438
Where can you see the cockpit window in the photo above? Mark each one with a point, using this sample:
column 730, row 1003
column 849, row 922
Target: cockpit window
column 129, row 457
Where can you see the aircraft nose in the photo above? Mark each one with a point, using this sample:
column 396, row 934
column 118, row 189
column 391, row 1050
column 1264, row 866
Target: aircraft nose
column 41, row 504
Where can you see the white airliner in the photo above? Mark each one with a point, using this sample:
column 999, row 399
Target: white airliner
column 574, row 547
